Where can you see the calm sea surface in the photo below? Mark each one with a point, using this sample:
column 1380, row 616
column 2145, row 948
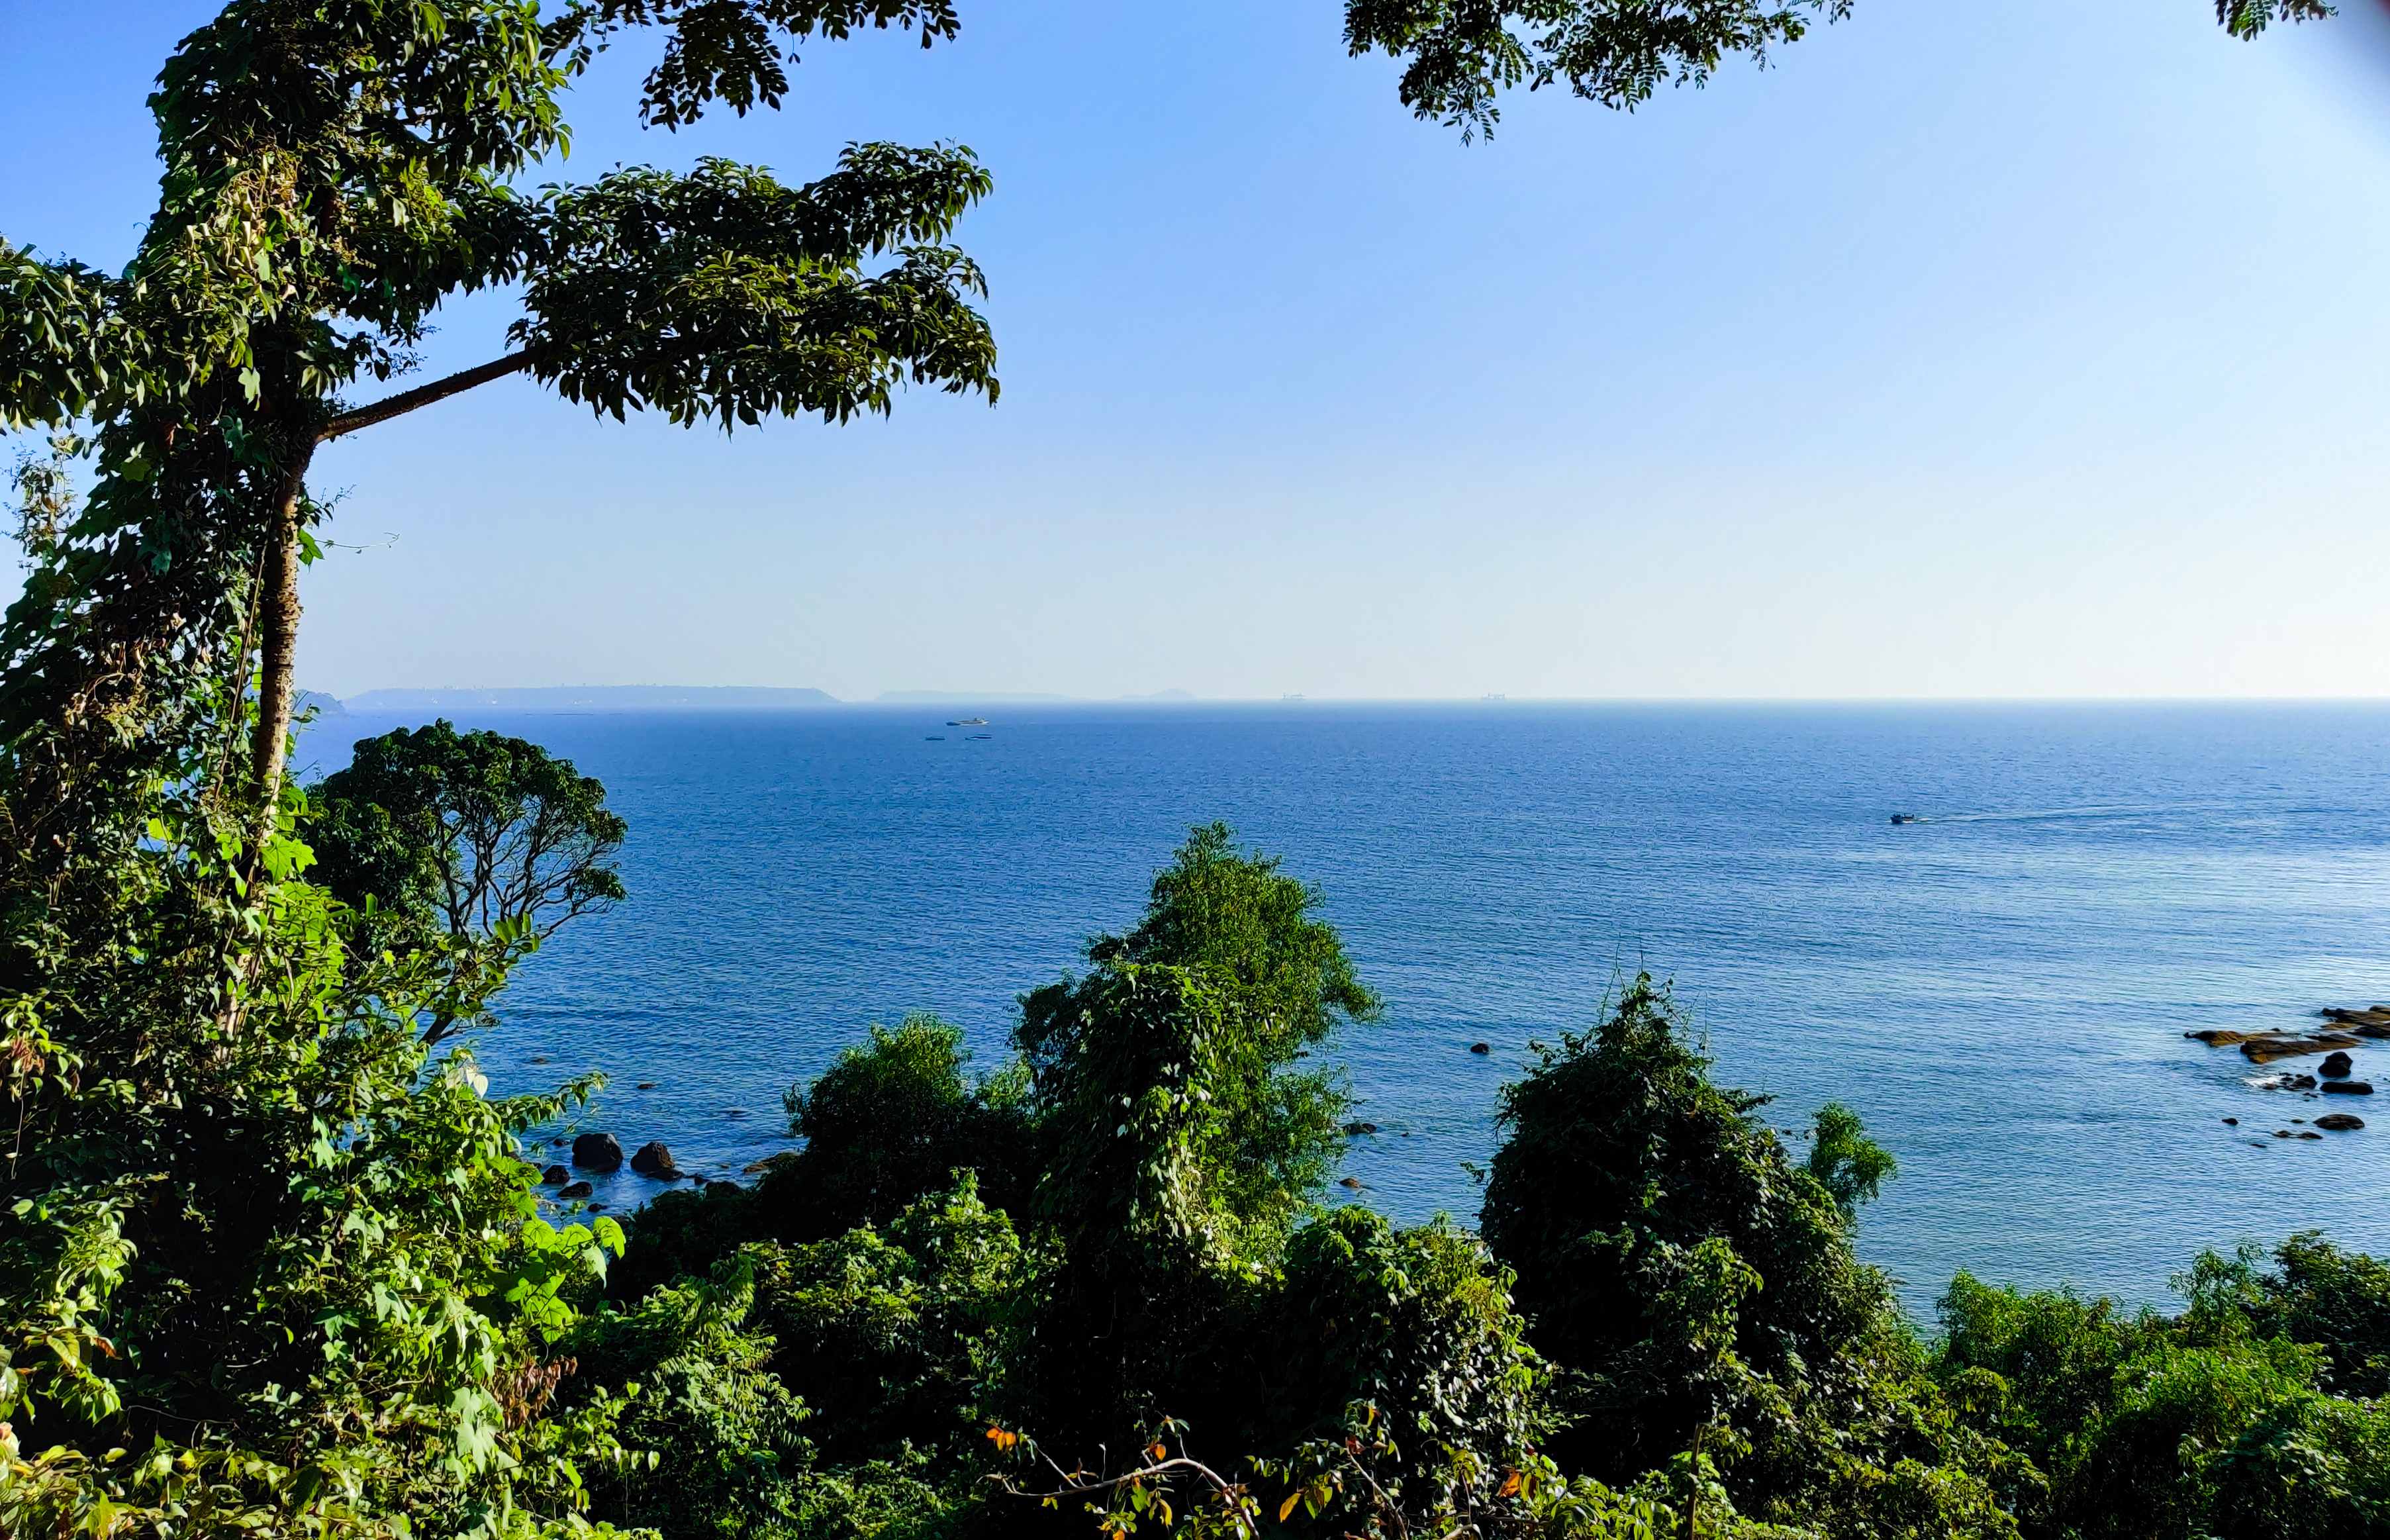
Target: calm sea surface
column 2001, row 991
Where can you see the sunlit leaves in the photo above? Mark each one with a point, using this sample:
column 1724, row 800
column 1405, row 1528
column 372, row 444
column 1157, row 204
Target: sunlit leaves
column 2248, row 18
column 738, row 52
column 725, row 294
column 1460, row 55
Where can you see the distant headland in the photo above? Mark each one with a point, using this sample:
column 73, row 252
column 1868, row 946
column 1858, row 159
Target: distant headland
column 589, row 698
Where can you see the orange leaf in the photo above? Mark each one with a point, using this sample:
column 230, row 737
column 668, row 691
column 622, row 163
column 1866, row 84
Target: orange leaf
column 1156, row 1452
column 1510, row 1484
column 1288, row 1506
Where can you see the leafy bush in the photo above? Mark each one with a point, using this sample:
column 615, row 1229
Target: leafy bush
column 895, row 1338
column 888, row 1123
column 716, row 1446
column 2219, row 1422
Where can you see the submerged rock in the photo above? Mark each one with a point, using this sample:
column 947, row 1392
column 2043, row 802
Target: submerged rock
column 578, row 1190
column 2348, row 1087
column 597, row 1152
column 1353, row 1182
column 2340, row 1122
column 655, row 1159
column 1480, row 1048
column 555, row 1176
column 1357, row 1129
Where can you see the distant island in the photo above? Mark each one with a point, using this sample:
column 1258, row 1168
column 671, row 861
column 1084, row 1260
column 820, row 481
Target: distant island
column 1006, row 697
column 589, row 698
column 948, row 698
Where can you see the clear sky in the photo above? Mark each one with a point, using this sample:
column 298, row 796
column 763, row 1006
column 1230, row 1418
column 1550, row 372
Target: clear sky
column 2037, row 349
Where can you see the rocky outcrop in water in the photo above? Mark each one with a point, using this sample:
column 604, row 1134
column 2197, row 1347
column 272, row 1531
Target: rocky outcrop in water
column 2266, row 1046
column 597, row 1152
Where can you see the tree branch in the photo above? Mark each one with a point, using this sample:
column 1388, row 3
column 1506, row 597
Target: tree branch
column 424, row 395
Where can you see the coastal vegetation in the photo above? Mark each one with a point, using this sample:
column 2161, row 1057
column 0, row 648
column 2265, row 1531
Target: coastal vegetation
column 273, row 1261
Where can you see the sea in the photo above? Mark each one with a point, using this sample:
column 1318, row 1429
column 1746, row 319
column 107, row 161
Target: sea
column 2001, row 988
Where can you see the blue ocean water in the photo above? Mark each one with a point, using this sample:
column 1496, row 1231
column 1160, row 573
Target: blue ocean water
column 2001, row 988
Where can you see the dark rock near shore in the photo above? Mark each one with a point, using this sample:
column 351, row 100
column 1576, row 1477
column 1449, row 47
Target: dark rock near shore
column 2340, row 1122
column 597, row 1152
column 555, row 1176
column 578, row 1190
column 2233, row 1123
column 1480, row 1048
column 655, row 1159
column 2348, row 1087
column 2337, row 1065
column 1353, row 1182
column 1357, row 1129
column 647, row 1086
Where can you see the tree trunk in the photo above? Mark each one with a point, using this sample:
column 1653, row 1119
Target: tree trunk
column 277, row 618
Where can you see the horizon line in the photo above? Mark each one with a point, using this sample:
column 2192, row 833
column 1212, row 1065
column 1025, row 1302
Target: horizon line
column 901, row 698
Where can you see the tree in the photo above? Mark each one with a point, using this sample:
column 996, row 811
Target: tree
column 489, row 838
column 1248, row 933
column 337, row 168
column 1700, row 1291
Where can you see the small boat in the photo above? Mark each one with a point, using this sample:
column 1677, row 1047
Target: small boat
column 935, row 737
column 969, row 722
column 979, row 738
column 1904, row 817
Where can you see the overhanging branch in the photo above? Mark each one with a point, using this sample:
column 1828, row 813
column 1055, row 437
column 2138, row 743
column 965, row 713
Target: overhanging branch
column 424, row 395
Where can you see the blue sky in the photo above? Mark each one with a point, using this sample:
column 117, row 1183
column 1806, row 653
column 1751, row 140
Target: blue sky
column 2039, row 349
